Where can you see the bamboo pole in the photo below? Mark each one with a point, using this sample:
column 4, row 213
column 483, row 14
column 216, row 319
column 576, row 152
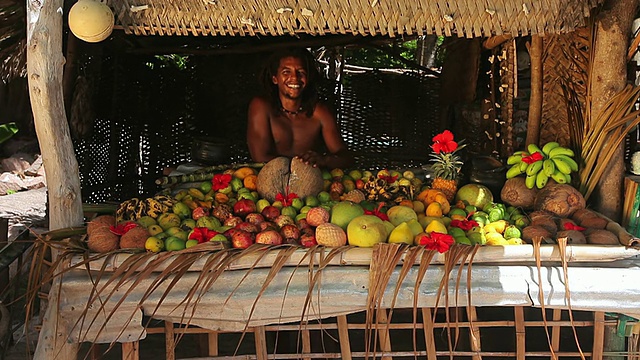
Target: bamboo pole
column 535, row 101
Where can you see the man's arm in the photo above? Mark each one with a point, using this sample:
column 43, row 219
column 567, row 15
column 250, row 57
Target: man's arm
column 259, row 137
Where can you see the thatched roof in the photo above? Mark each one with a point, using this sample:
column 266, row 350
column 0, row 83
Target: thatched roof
column 365, row 17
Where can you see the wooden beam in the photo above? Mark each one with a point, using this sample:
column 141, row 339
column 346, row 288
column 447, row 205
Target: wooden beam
column 535, row 101
column 44, row 74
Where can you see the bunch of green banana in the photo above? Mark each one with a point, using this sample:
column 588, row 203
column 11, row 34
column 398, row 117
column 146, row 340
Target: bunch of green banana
column 552, row 161
column 134, row 208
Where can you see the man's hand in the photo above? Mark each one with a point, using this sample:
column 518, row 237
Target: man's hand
column 312, row 158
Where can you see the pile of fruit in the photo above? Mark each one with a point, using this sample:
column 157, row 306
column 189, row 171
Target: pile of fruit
column 356, row 207
column 289, row 202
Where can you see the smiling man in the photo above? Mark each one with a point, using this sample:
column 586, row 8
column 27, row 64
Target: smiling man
column 289, row 120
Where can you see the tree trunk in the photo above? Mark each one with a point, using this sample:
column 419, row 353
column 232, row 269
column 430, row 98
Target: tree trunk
column 535, row 101
column 44, row 69
column 609, row 76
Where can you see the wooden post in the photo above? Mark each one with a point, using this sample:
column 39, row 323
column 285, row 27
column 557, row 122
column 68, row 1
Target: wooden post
column 44, row 72
column 535, row 100
column 609, row 76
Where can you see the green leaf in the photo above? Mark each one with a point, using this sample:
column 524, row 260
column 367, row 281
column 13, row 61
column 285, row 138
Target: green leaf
column 7, row 131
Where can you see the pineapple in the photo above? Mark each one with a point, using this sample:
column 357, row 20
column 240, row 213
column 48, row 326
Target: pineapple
column 446, row 170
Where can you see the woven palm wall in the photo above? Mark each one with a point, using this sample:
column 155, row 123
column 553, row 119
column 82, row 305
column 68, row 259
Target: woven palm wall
column 365, row 17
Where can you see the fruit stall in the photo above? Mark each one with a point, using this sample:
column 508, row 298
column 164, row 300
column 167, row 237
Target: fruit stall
column 409, row 258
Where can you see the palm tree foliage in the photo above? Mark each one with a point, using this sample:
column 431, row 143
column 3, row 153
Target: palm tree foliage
column 12, row 39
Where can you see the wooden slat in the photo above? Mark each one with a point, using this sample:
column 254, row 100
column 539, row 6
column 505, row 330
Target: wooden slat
column 383, row 332
column 555, row 331
column 213, row 343
column 306, row 341
column 169, row 340
column 598, row 335
column 474, row 334
column 261, row 342
column 131, row 350
column 429, row 338
column 343, row 335
column 520, row 332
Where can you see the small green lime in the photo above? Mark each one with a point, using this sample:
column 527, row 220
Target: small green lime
column 311, row 201
column 290, row 211
column 205, row 186
column 190, row 243
column 305, row 209
column 323, row 197
column 173, row 243
column 297, row 203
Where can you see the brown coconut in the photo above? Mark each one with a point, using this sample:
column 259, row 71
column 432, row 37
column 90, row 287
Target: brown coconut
column 102, row 240
column 330, row 235
column 134, row 238
column 589, row 219
column 548, row 223
column 573, row 236
column 560, row 199
column 286, row 176
column 99, row 222
column 515, row 193
column 601, row 237
column 532, row 231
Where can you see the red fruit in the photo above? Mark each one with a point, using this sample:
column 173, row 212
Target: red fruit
column 303, row 224
column 254, row 218
column 308, row 238
column 232, row 221
column 241, row 239
column 248, row 227
column 290, row 232
column 267, row 225
column 199, row 212
column 244, row 207
column 317, row 216
column 270, row 212
column 269, row 237
column 229, row 233
column 283, row 220
column 359, row 184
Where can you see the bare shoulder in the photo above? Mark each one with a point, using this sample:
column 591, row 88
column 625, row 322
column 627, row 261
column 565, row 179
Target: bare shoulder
column 323, row 113
column 259, row 102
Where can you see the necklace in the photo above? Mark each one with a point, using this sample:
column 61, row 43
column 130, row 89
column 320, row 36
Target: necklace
column 296, row 112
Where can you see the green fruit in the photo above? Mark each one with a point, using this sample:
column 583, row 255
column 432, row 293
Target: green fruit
column 462, row 240
column 205, row 186
column 305, row 209
column 190, row 243
column 173, row 243
column 355, row 174
column 169, row 220
column 154, row 230
column 311, row 201
column 261, row 204
column 345, row 211
column 277, row 204
column 297, row 203
column 323, row 197
column 177, row 232
column 247, row 195
column 187, row 225
column 236, row 184
column 289, row 211
column 456, row 232
column 181, row 209
column 146, row 221
column 208, row 222
column 219, row 237
column 326, row 175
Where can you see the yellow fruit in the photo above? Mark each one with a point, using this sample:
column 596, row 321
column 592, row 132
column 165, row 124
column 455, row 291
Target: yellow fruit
column 434, row 209
column 401, row 234
column 366, row 231
column 436, row 226
column 496, row 227
column 398, row 214
column 515, row 241
column 494, row 238
column 418, row 206
column 415, row 227
column 154, row 244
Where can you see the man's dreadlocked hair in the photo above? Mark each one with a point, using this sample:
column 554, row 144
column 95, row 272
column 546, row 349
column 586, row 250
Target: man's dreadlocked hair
column 310, row 93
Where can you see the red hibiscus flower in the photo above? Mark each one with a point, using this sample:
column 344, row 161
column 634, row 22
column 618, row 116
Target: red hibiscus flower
column 570, row 226
column 286, row 200
column 122, row 229
column 444, row 143
column 377, row 212
column 536, row 156
column 465, row 225
column 202, row 234
column 220, row 181
column 437, row 241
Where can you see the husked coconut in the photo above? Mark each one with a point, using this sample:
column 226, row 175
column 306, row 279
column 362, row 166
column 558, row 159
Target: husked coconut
column 573, row 237
column 285, row 176
column 134, row 238
column 560, row 199
column 102, row 240
column 99, row 222
column 330, row 235
column 601, row 237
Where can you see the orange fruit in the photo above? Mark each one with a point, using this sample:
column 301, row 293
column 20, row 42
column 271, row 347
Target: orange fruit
column 251, row 182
